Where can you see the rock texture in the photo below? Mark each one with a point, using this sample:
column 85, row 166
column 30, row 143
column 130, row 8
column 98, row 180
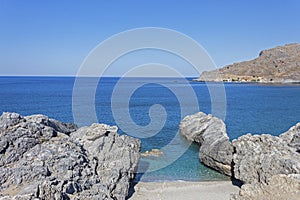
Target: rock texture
column 268, row 166
column 278, row 65
column 292, row 137
column 210, row 132
column 279, row 187
column 258, row 157
column 41, row 158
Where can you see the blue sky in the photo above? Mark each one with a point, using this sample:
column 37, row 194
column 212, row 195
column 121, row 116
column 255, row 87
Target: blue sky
column 54, row 37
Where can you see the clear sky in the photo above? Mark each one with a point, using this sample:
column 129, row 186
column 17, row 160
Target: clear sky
column 53, row 37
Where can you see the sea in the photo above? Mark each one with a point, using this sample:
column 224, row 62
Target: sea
column 246, row 108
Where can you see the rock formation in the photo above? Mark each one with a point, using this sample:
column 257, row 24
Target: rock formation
column 260, row 162
column 279, row 187
column 41, row 158
column 292, row 137
column 258, row 157
column 276, row 65
column 153, row 152
column 210, row 132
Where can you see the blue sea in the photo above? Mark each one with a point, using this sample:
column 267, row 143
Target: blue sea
column 250, row 108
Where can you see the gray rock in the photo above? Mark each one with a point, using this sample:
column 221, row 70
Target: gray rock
column 269, row 166
column 210, row 133
column 9, row 119
column 56, row 125
column 292, row 137
column 279, row 187
column 258, row 157
column 42, row 158
column 117, row 156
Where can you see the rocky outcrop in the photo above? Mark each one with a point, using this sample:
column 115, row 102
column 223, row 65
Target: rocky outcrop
column 263, row 163
column 258, row 157
column 279, row 187
column 277, row 65
column 210, row 133
column 251, row 158
column 42, row 158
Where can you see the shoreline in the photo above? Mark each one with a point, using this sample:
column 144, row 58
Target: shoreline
column 250, row 82
column 175, row 181
column 171, row 190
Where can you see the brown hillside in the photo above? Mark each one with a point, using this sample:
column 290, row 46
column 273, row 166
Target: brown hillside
column 279, row 64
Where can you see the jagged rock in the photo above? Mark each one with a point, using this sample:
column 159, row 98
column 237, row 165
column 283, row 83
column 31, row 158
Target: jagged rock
column 279, row 187
column 9, row 119
column 210, row 132
column 251, row 158
column 42, row 158
column 117, row 156
column 153, row 152
column 292, row 137
column 263, row 163
column 279, row 64
column 98, row 130
column 258, row 157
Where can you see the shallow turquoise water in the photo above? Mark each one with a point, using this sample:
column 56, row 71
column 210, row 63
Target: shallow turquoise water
column 250, row 108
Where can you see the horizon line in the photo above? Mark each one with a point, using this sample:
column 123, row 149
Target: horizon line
column 74, row 76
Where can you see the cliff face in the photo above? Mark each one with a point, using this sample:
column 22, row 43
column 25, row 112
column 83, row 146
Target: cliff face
column 279, row 64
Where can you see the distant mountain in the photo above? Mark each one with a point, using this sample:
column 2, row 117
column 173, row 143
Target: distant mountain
column 278, row 65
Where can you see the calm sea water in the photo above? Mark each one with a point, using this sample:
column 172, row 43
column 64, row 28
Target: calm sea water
column 250, row 108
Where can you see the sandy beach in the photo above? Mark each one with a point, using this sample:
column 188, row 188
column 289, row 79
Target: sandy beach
column 211, row 190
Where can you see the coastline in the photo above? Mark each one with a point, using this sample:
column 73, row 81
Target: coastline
column 251, row 83
column 171, row 190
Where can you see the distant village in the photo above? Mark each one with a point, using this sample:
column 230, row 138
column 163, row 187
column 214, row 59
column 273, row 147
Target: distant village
column 233, row 78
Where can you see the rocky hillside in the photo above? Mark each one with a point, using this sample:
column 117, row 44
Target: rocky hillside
column 42, row 158
column 279, row 65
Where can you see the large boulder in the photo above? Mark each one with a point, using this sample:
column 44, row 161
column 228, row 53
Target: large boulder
column 116, row 156
column 43, row 158
column 258, row 157
column 210, row 133
column 279, row 187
